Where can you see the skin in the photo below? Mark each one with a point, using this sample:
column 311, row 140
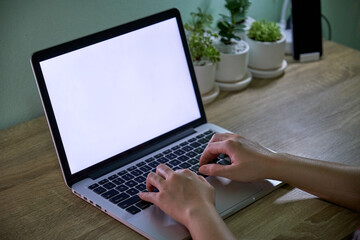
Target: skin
column 192, row 204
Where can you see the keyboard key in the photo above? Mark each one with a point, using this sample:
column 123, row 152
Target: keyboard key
column 136, row 172
column 158, row 155
column 133, row 210
column 140, row 179
column 195, row 168
column 127, row 176
column 140, row 164
column 224, row 162
column 118, row 198
column 192, row 140
column 149, row 160
column 175, row 147
column 154, row 164
column 126, row 203
column 162, row 160
column 199, row 150
column 185, row 165
column 103, row 181
column 109, row 185
column 110, row 193
column 112, row 177
column 174, row 162
column 122, row 188
column 193, row 161
column 200, row 136
column 179, row 152
column 183, row 144
column 191, row 154
column 132, row 191
column 143, row 204
column 118, row 181
column 141, row 187
column 131, row 168
column 171, row 156
column 183, row 158
column 169, row 165
column 208, row 138
column 209, row 132
column 95, row 185
column 131, row 183
column 203, row 141
column 122, row 172
column 222, row 156
column 195, row 144
column 99, row 190
column 187, row 148
column 167, row 151
column 145, row 168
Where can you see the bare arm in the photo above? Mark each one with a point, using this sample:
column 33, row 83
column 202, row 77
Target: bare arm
column 334, row 182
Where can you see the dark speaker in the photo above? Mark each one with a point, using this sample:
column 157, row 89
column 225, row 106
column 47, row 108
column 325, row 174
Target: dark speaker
column 306, row 28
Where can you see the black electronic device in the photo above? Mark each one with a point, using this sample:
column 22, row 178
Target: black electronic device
column 306, row 27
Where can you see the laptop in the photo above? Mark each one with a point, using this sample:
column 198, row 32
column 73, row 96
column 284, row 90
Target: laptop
column 119, row 103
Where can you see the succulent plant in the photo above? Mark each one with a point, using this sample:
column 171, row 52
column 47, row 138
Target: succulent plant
column 264, row 31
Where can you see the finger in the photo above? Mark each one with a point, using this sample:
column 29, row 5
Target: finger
column 212, row 151
column 148, row 196
column 216, row 170
column 153, row 181
column 163, row 171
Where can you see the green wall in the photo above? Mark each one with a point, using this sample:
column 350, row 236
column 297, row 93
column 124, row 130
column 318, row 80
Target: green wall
column 28, row 26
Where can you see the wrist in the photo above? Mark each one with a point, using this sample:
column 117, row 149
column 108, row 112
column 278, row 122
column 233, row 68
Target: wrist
column 205, row 223
column 198, row 216
column 274, row 165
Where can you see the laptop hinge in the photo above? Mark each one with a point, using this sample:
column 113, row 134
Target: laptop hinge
column 139, row 154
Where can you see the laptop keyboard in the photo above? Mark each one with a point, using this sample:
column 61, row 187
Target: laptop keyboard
column 122, row 188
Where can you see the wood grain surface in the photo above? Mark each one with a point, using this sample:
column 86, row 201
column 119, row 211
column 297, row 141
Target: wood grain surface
column 313, row 110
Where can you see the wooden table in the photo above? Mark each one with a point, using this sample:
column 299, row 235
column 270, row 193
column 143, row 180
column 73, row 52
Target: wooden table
column 312, row 110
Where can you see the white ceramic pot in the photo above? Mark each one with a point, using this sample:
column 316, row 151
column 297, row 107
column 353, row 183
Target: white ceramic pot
column 205, row 76
column 233, row 66
column 266, row 55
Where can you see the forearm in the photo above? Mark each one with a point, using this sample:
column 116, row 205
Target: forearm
column 206, row 223
column 334, row 182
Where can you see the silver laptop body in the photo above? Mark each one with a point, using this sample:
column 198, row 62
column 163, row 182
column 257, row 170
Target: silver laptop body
column 118, row 103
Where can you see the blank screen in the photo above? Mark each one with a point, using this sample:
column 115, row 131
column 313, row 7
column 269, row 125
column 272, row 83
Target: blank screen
column 116, row 94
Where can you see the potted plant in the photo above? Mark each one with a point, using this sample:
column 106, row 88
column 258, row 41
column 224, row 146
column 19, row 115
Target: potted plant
column 203, row 53
column 267, row 48
column 233, row 51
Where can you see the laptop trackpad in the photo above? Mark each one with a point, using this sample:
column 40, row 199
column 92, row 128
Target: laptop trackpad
column 232, row 195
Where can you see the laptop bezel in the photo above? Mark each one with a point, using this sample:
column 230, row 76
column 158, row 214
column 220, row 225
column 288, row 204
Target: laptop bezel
column 51, row 52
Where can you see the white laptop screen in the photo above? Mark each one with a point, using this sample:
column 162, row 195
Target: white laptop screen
column 116, row 94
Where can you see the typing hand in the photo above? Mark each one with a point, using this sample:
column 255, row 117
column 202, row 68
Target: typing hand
column 181, row 193
column 248, row 159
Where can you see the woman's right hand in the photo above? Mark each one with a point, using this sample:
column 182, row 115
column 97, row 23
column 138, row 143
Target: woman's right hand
column 249, row 160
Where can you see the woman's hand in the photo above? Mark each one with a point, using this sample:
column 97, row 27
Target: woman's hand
column 249, row 160
column 181, row 193
column 189, row 199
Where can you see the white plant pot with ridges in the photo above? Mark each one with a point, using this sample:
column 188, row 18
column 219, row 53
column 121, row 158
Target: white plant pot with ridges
column 266, row 55
column 205, row 76
column 232, row 66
